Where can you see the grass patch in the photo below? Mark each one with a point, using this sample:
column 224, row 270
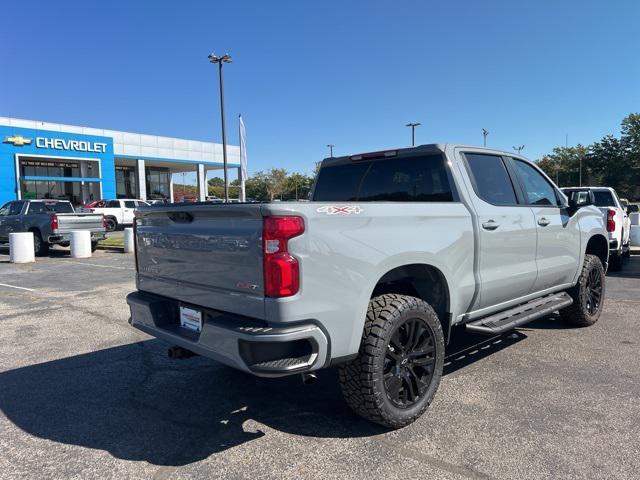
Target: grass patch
column 117, row 241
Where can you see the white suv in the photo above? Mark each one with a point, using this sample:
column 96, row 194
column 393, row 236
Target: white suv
column 119, row 212
column 615, row 217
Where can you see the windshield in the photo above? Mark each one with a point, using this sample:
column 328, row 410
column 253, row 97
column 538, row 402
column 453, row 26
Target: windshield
column 410, row 179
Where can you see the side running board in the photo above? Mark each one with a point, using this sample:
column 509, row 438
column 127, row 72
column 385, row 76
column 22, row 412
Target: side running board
column 517, row 316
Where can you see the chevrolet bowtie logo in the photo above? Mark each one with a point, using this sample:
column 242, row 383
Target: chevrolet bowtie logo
column 18, row 140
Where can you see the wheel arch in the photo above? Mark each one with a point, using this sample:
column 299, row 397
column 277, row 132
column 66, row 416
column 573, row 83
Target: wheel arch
column 423, row 281
column 598, row 245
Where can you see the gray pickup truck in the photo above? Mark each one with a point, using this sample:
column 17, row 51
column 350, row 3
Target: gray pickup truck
column 394, row 250
column 51, row 222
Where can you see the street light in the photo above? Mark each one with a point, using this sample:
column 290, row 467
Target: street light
column 413, row 132
column 485, row 132
column 519, row 149
column 226, row 58
column 331, row 145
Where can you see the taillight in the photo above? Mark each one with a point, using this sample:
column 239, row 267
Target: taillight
column 104, row 221
column 54, row 223
column 611, row 222
column 281, row 270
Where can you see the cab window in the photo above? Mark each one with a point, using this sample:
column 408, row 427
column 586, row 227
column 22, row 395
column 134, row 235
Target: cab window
column 491, row 179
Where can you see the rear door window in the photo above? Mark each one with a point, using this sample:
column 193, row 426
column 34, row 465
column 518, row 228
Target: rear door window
column 491, row 179
column 35, row 208
column 129, row 204
column 113, row 204
column 409, row 179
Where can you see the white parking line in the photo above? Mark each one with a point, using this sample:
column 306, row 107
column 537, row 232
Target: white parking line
column 15, row 286
column 101, row 266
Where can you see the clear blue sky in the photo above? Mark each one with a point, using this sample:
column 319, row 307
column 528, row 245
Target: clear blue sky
column 308, row 73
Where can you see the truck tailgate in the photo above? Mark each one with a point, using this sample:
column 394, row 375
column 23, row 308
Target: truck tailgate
column 203, row 255
column 79, row 221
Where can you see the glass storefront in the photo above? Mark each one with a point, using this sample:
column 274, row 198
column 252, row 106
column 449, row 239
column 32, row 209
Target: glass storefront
column 126, row 182
column 157, row 182
column 77, row 192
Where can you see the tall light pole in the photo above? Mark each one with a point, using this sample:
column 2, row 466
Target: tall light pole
column 413, row 132
column 485, row 132
column 519, row 149
column 226, row 58
column 330, row 145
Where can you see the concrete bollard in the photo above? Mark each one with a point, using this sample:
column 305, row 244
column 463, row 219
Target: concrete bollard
column 80, row 243
column 635, row 218
column 129, row 244
column 21, row 248
column 634, row 238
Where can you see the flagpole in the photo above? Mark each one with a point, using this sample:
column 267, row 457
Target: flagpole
column 243, row 194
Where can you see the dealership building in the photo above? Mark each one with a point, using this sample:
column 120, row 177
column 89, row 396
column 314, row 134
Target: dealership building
column 82, row 164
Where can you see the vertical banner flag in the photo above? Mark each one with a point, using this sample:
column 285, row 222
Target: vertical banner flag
column 243, row 157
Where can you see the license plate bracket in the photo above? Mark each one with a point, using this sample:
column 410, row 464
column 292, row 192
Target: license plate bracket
column 191, row 319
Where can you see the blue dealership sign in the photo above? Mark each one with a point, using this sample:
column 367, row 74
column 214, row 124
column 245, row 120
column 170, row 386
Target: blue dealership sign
column 17, row 141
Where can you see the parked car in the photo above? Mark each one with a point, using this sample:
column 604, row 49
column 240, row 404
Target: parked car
column 633, row 208
column 394, row 249
column 616, row 219
column 51, row 222
column 94, row 204
column 119, row 213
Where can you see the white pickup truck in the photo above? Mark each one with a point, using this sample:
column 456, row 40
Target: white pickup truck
column 616, row 219
column 394, row 249
column 118, row 213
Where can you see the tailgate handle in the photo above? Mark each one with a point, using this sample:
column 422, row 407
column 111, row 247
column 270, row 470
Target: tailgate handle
column 180, row 217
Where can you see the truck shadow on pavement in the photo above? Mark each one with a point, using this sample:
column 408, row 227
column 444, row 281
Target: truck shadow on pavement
column 138, row 405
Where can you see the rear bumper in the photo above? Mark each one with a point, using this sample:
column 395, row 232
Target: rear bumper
column 66, row 237
column 240, row 342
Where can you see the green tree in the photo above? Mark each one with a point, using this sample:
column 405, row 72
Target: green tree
column 297, row 186
column 563, row 165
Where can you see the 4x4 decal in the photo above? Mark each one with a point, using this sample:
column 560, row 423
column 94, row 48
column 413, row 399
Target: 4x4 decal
column 340, row 209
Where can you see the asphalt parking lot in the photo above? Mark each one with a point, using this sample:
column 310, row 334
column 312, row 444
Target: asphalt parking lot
column 84, row 395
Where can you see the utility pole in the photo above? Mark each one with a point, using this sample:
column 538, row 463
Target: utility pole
column 485, row 132
column 519, row 149
column 330, row 145
column 413, row 132
column 580, row 173
column 226, row 58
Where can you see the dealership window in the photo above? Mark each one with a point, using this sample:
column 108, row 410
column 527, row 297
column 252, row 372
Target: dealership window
column 49, row 168
column 48, row 189
column 126, row 182
column 158, row 180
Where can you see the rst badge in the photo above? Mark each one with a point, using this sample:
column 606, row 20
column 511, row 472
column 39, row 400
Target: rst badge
column 340, row 209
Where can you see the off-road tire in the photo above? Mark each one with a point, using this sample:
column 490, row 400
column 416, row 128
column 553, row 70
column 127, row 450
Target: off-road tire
column 577, row 314
column 361, row 379
column 40, row 247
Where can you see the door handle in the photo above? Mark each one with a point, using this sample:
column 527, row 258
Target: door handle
column 543, row 222
column 490, row 225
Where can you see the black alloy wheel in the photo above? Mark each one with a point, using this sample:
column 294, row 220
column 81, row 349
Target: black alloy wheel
column 409, row 363
column 592, row 293
column 588, row 294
